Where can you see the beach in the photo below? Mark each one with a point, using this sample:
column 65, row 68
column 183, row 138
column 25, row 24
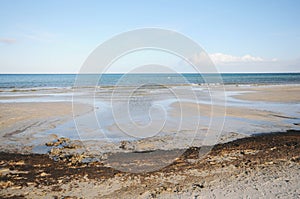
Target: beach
column 149, row 99
column 257, row 152
column 260, row 166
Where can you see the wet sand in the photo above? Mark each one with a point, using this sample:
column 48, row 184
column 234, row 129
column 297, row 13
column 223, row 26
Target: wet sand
column 265, row 165
column 13, row 113
column 275, row 93
column 20, row 122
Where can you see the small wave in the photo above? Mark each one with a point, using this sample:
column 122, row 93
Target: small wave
column 33, row 89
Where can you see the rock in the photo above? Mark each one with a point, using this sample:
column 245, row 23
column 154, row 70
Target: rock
column 4, row 171
column 6, row 184
column 198, row 186
column 43, row 174
column 126, row 145
column 49, row 144
column 192, row 161
column 16, row 187
column 59, row 141
column 31, row 183
column 55, row 151
column 69, row 197
column 273, row 148
column 295, row 159
column 269, row 163
column 250, row 152
column 71, row 146
column 76, row 158
column 157, row 190
column 18, row 163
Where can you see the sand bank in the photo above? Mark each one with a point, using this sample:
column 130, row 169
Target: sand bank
column 21, row 121
column 274, row 93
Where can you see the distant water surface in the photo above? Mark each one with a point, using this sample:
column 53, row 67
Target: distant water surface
column 19, row 81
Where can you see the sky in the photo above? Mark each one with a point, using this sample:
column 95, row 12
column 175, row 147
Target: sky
column 52, row 36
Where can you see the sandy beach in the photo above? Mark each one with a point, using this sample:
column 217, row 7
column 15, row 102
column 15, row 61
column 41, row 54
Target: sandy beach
column 149, row 99
column 261, row 166
column 37, row 162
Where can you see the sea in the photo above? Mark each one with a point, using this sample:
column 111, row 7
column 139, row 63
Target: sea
column 23, row 81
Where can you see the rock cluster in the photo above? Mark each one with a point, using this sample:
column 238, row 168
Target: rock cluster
column 126, row 145
column 63, row 142
column 63, row 149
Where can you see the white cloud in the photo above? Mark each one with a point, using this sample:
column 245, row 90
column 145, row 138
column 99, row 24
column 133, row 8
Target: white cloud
column 232, row 63
column 201, row 58
column 220, row 58
column 249, row 63
column 7, row 40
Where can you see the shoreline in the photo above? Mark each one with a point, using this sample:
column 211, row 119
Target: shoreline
column 37, row 123
column 260, row 165
column 26, row 90
column 39, row 176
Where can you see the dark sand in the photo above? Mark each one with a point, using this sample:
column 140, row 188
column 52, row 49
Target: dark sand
column 250, row 166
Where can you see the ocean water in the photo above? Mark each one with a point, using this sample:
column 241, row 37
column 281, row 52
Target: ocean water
column 20, row 81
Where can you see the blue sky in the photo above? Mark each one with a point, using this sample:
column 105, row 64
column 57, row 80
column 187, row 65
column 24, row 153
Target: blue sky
column 241, row 36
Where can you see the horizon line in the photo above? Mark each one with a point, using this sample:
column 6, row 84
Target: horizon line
column 147, row 73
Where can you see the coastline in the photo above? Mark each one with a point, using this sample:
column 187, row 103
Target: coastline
column 43, row 157
column 150, row 100
column 28, row 126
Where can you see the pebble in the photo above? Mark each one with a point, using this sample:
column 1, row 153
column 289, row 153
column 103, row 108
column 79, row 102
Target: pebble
column 43, row 174
column 30, row 183
column 5, row 184
column 16, row 187
column 19, row 163
column 169, row 189
column 4, row 171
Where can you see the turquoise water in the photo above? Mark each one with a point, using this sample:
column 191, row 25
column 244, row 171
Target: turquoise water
column 67, row 80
